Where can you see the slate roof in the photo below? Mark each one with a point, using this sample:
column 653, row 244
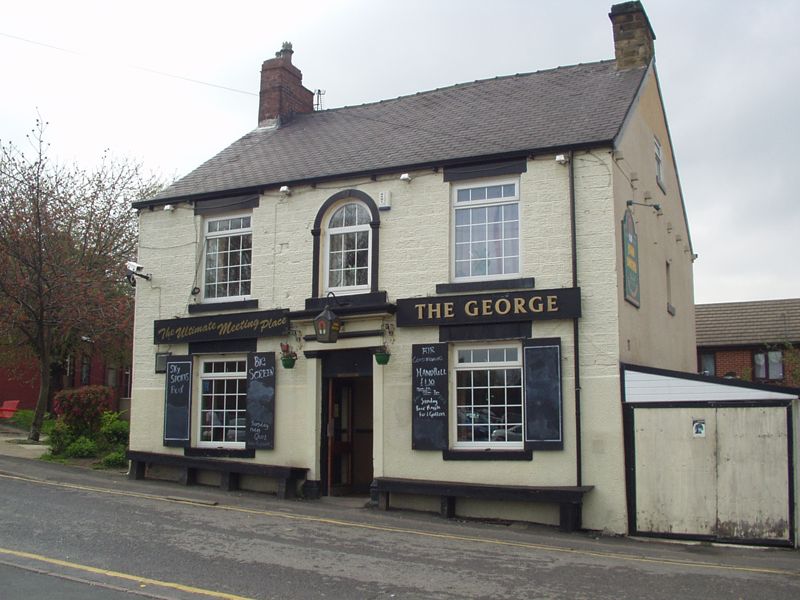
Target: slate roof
column 578, row 106
column 748, row 323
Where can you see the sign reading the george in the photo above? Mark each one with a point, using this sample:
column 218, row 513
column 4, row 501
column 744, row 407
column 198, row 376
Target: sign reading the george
column 500, row 307
column 265, row 323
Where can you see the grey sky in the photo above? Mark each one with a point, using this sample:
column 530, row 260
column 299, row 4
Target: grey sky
column 727, row 71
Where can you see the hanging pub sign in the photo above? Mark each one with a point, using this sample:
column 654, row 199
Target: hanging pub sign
column 630, row 259
column 563, row 303
column 265, row 323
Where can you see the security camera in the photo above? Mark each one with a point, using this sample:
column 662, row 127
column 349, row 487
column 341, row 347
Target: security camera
column 134, row 270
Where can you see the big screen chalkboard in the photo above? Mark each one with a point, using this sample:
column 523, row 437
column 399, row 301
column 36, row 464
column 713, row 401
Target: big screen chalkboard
column 261, row 400
column 177, row 400
column 429, row 380
column 543, row 420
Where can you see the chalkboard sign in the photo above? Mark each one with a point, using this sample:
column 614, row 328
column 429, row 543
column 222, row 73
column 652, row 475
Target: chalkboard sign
column 261, row 400
column 429, row 380
column 543, row 419
column 177, row 400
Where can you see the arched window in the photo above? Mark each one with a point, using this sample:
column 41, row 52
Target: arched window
column 346, row 236
column 348, row 249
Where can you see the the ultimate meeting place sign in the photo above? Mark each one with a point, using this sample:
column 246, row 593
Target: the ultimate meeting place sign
column 564, row 303
column 265, row 323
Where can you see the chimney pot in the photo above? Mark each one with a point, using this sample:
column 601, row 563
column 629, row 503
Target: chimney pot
column 633, row 35
column 282, row 93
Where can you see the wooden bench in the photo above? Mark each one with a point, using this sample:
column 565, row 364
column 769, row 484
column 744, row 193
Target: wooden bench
column 230, row 470
column 569, row 498
column 8, row 408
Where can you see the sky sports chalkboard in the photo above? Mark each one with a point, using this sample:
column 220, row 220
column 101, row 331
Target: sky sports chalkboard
column 429, row 380
column 177, row 400
column 261, row 400
column 543, row 419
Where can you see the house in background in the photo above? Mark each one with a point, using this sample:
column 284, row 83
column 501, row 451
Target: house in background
column 754, row 341
column 21, row 382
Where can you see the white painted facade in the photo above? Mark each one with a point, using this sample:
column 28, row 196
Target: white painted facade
column 416, row 254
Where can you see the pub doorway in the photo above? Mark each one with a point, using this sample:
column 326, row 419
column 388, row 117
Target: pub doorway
column 346, row 448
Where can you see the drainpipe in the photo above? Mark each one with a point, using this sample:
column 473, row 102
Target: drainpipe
column 575, row 321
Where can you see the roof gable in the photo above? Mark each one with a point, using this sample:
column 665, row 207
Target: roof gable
column 581, row 105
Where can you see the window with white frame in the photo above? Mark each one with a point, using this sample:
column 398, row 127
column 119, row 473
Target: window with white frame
column 349, row 249
column 223, row 402
column 659, row 156
column 228, row 258
column 768, row 365
column 487, row 226
column 489, row 397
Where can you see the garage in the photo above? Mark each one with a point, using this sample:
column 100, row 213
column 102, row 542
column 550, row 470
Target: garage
column 709, row 459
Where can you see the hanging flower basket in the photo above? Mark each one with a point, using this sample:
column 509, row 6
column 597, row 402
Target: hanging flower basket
column 288, row 356
column 382, row 357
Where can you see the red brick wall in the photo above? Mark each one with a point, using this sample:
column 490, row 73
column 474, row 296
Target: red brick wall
column 739, row 362
column 20, row 383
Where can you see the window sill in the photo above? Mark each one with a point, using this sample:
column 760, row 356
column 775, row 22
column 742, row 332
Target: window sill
column 519, row 283
column 220, row 452
column 218, row 306
column 488, row 454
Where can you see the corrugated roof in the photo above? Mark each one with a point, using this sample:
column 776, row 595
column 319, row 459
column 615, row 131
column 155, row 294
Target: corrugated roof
column 580, row 105
column 746, row 323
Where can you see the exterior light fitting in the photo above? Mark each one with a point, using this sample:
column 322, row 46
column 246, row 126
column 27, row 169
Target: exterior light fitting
column 327, row 326
column 655, row 207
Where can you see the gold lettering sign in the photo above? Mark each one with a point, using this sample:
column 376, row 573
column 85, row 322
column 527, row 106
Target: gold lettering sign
column 489, row 308
column 221, row 327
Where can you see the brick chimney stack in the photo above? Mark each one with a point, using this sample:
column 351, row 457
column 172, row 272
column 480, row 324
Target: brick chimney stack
column 282, row 92
column 633, row 36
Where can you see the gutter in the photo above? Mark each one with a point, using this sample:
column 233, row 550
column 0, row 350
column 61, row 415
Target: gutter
column 262, row 187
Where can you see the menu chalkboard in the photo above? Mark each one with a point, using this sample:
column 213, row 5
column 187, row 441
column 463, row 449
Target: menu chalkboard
column 543, row 417
column 261, row 400
column 177, row 400
column 430, row 383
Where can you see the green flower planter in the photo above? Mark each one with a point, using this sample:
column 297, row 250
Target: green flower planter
column 382, row 357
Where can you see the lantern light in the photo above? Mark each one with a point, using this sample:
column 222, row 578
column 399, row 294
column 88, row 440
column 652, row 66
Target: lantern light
column 327, row 326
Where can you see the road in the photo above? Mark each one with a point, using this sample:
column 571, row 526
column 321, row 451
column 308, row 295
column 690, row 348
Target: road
column 97, row 535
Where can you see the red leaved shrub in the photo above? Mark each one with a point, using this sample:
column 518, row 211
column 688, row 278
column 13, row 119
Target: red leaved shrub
column 82, row 408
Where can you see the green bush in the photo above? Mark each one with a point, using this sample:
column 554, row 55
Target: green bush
column 60, row 438
column 82, row 447
column 113, row 432
column 82, row 408
column 115, row 458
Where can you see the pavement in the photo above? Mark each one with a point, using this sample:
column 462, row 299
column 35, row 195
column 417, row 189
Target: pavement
column 14, row 442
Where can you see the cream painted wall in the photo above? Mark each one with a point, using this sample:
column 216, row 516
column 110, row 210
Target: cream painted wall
column 414, row 257
column 649, row 335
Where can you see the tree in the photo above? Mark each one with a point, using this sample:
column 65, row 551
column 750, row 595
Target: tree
column 65, row 234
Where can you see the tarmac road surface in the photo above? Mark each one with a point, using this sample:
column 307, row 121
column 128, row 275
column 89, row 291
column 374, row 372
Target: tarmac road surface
column 66, row 530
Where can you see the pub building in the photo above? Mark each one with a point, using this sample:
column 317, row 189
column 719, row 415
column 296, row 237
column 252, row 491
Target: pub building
column 427, row 300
